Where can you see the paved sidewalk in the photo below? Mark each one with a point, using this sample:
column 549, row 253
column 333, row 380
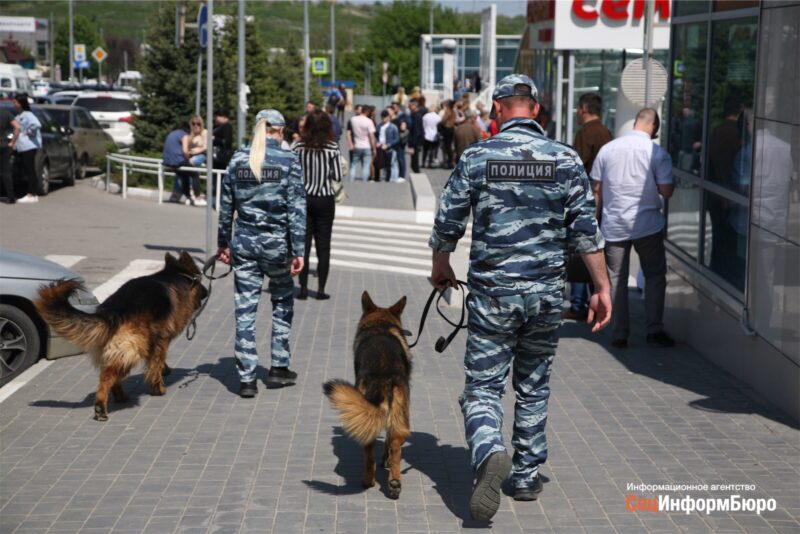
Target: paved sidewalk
column 201, row 459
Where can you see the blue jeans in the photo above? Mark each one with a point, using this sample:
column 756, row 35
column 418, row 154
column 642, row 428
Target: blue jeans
column 362, row 157
column 579, row 296
column 401, row 161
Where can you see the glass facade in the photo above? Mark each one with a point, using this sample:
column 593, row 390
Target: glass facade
column 711, row 139
column 468, row 56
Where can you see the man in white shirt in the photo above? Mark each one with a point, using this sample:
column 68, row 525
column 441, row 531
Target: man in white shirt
column 629, row 177
column 361, row 136
column 430, row 125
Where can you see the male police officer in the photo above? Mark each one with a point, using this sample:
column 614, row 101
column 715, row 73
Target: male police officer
column 264, row 185
column 530, row 200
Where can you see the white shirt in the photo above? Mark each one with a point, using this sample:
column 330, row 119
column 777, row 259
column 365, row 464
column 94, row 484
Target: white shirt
column 429, row 123
column 629, row 168
column 362, row 127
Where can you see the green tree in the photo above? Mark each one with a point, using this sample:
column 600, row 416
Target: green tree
column 168, row 81
column 84, row 32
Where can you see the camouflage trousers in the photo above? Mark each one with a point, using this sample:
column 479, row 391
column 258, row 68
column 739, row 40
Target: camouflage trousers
column 248, row 277
column 519, row 331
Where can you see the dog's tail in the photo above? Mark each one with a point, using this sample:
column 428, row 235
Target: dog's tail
column 86, row 330
column 361, row 419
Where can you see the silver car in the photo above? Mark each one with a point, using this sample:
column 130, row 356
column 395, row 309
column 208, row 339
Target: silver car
column 24, row 336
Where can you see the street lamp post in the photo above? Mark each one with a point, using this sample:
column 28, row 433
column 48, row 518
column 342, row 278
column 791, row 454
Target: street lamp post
column 333, row 43
column 210, row 135
column 240, row 111
column 306, row 52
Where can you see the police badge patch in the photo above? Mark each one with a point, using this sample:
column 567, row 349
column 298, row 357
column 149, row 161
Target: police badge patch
column 521, row 171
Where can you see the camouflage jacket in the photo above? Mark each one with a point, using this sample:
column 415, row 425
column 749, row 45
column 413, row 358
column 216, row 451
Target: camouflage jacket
column 531, row 202
column 272, row 211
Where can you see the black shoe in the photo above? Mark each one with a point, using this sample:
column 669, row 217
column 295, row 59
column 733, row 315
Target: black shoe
column 485, row 498
column 529, row 494
column 661, row 339
column 620, row 343
column 248, row 390
column 303, row 295
column 321, row 295
column 281, row 375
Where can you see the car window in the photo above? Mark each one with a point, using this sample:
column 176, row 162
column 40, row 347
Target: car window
column 61, row 116
column 83, row 119
column 47, row 124
column 110, row 105
column 6, row 82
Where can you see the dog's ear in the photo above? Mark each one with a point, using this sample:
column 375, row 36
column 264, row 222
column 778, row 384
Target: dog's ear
column 170, row 260
column 366, row 303
column 398, row 307
column 187, row 261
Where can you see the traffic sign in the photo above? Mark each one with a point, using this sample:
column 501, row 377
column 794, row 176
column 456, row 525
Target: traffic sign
column 99, row 54
column 79, row 52
column 82, row 64
column 202, row 25
column 319, row 65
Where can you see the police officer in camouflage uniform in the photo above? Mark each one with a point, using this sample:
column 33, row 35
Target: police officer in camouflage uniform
column 530, row 200
column 264, row 186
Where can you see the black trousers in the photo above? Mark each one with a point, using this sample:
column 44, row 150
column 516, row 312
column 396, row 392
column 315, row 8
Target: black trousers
column 415, row 157
column 319, row 225
column 447, row 146
column 27, row 168
column 5, row 173
column 429, row 153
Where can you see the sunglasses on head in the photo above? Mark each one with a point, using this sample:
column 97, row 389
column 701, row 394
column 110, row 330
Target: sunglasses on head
column 196, row 124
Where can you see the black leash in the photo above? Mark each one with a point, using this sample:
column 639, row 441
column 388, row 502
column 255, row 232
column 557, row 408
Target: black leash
column 442, row 342
column 209, row 265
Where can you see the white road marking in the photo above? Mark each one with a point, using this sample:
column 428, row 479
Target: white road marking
column 26, row 376
column 378, row 224
column 64, row 261
column 339, row 244
column 134, row 269
column 375, row 267
column 383, row 257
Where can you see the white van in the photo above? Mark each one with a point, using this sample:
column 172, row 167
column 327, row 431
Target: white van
column 13, row 79
column 129, row 80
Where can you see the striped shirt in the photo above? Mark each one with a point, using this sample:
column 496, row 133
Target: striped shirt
column 321, row 167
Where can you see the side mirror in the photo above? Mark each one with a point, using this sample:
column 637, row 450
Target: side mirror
column 68, row 131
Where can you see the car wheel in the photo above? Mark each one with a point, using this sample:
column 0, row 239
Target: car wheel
column 44, row 183
column 19, row 342
column 69, row 179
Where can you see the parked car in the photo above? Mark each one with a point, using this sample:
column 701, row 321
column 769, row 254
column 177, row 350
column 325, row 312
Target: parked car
column 56, row 160
column 114, row 110
column 24, row 336
column 64, row 97
column 13, row 79
column 90, row 140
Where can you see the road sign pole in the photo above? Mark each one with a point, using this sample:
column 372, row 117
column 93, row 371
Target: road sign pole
column 199, row 77
column 306, row 52
column 210, row 136
column 240, row 116
column 71, row 46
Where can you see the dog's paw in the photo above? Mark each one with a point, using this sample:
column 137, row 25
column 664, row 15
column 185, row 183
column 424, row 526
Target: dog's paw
column 368, row 483
column 100, row 414
column 394, row 489
column 158, row 391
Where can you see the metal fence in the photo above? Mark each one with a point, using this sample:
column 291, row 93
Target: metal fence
column 156, row 167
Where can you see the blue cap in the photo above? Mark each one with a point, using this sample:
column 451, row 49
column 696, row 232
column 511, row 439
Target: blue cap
column 272, row 116
column 510, row 86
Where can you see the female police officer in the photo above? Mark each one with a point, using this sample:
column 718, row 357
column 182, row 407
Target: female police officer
column 264, row 186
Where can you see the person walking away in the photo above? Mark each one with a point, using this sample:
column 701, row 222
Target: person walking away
column 402, row 120
column 342, row 104
column 28, row 144
column 466, row 133
column 588, row 141
column 264, row 188
column 361, row 138
column 198, row 146
column 447, row 128
column 223, row 139
column 630, row 176
column 430, row 125
column 319, row 158
column 9, row 133
column 529, row 198
column 416, row 136
column 336, row 126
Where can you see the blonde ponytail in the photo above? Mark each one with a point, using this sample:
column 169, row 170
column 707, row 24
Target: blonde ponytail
column 258, row 148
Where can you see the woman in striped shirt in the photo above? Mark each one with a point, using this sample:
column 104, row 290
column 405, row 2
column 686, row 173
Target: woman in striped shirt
column 319, row 157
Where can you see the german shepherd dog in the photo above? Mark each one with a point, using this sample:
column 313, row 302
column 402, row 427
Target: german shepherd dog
column 380, row 399
column 134, row 325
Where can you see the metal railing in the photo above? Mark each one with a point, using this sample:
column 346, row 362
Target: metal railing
column 156, row 167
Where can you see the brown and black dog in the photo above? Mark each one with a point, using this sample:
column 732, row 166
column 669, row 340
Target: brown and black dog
column 381, row 396
column 132, row 326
